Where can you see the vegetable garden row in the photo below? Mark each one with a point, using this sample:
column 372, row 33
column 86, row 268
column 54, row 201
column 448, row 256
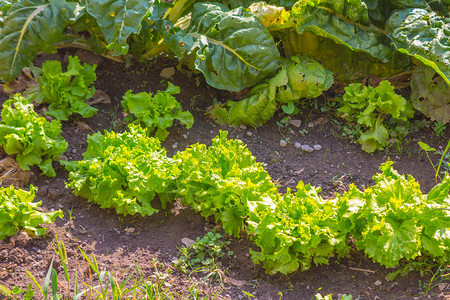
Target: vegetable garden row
column 390, row 221
column 281, row 52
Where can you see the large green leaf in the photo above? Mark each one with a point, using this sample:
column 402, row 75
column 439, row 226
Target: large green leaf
column 346, row 22
column 118, row 19
column 32, row 26
column 299, row 77
column 423, row 35
column 232, row 49
column 430, row 94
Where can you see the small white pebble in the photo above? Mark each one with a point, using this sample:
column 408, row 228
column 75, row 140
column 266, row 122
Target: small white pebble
column 175, row 145
column 317, row 147
column 297, row 145
column 242, row 126
column 249, row 133
column 185, row 136
column 283, row 143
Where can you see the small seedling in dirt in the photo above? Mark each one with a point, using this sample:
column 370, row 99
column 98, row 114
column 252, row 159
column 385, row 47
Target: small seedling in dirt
column 203, row 253
column 290, row 109
column 439, row 128
column 445, row 157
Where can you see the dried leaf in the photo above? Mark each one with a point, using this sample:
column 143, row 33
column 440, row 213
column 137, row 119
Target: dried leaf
column 100, row 97
column 11, row 174
column 83, row 126
column 24, row 81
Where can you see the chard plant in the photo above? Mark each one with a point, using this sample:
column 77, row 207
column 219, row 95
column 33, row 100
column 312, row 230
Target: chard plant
column 234, row 44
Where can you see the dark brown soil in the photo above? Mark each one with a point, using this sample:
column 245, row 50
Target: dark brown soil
column 107, row 235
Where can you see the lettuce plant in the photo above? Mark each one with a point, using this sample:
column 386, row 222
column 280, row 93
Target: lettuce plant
column 33, row 139
column 157, row 112
column 18, row 211
column 66, row 92
column 392, row 220
column 299, row 229
column 370, row 107
column 124, row 171
column 224, row 181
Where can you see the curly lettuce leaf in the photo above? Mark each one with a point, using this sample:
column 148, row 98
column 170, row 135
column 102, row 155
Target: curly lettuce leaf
column 299, row 230
column 224, row 181
column 369, row 107
column 66, row 92
column 232, row 49
column 124, row 171
column 384, row 218
column 18, row 211
column 33, row 139
column 31, row 27
column 157, row 112
column 436, row 220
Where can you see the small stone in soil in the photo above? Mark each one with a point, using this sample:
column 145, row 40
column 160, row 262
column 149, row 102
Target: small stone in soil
column 185, row 136
column 53, row 194
column 307, row 148
column 175, row 145
column 297, row 145
column 42, row 191
column 377, row 283
column 283, row 143
column 242, row 126
column 167, row 72
column 187, row 242
column 296, row 123
column 317, row 147
column 249, row 133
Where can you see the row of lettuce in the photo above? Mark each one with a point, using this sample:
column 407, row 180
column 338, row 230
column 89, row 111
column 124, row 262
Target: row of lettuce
column 284, row 50
column 390, row 221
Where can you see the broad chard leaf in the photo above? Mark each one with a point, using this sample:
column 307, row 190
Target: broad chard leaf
column 430, row 94
column 233, row 49
column 345, row 22
column 300, row 77
column 31, row 27
column 118, row 20
column 423, row 35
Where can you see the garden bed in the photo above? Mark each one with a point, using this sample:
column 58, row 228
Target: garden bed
column 118, row 242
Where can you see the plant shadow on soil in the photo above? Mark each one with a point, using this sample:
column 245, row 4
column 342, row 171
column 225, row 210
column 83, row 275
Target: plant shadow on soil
column 108, row 235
